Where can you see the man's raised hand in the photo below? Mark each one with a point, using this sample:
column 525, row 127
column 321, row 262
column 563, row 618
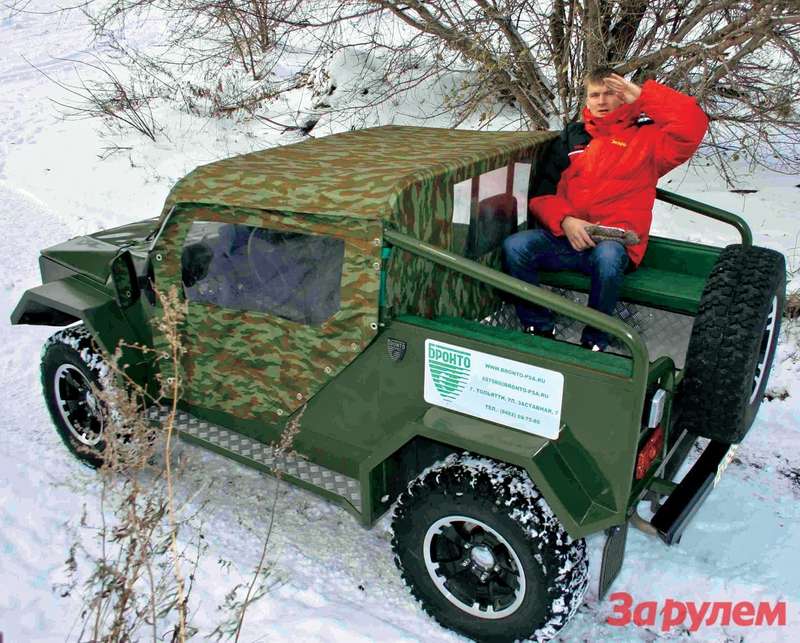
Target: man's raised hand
column 625, row 90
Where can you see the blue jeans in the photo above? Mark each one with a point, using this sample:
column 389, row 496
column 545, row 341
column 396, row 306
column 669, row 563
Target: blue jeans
column 526, row 253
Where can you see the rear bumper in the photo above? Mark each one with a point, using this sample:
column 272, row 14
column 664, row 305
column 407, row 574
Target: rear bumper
column 687, row 497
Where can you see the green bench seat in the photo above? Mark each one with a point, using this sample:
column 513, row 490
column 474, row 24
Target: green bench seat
column 673, row 291
column 672, row 276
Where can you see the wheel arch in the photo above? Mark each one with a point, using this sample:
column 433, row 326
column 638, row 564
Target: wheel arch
column 70, row 300
column 51, row 304
column 425, row 442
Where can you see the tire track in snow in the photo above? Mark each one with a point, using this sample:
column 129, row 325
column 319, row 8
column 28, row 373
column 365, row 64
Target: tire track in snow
column 65, row 64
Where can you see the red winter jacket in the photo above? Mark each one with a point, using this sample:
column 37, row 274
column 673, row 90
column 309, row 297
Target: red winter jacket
column 613, row 180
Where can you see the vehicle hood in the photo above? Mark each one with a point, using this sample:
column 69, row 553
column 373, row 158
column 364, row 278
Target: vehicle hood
column 91, row 255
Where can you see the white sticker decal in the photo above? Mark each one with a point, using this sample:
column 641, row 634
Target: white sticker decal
column 493, row 388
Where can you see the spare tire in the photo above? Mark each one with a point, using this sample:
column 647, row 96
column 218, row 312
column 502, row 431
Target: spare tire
column 733, row 343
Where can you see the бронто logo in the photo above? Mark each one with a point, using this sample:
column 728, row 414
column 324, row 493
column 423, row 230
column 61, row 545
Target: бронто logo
column 449, row 369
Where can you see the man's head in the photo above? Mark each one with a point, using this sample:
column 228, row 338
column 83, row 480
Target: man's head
column 600, row 99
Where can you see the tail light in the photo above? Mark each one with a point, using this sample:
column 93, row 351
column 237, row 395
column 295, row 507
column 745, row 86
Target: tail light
column 649, row 452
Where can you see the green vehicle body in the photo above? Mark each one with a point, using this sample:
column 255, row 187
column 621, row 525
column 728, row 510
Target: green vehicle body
column 386, row 195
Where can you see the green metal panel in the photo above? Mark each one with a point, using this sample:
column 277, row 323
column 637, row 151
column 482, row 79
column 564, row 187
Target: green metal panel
column 130, row 235
column 585, row 475
column 555, row 352
column 82, row 299
column 376, row 405
column 85, row 255
column 91, row 255
column 69, row 295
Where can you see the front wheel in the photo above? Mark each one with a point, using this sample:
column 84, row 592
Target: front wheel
column 72, row 372
column 484, row 555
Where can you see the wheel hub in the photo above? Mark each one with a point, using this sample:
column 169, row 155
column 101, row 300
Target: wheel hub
column 78, row 405
column 482, row 557
column 474, row 567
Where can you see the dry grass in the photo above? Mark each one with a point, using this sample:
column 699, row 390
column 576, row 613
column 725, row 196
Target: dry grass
column 140, row 561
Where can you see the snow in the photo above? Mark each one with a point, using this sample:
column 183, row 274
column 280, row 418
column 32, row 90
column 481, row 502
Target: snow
column 329, row 579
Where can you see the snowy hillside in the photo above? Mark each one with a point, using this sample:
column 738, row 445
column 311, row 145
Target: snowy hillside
column 330, row 579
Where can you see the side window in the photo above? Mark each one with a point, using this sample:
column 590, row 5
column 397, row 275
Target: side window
column 489, row 207
column 288, row 274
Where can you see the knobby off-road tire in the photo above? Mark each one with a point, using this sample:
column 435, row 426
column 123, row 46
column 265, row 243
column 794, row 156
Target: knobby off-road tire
column 733, row 343
column 483, row 553
column 72, row 372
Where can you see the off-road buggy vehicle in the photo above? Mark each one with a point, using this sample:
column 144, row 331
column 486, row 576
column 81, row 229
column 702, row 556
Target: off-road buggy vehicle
column 356, row 279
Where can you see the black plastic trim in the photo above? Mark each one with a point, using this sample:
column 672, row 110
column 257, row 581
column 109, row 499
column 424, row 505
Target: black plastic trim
column 676, row 512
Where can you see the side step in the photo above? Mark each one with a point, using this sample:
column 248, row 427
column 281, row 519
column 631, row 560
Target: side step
column 260, row 456
column 684, row 501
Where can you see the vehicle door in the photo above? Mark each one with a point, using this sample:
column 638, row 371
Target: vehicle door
column 277, row 304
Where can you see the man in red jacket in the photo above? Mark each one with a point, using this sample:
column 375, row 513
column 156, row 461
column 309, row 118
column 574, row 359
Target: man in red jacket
column 602, row 172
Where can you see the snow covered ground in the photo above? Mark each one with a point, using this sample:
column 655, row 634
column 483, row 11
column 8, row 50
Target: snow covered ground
column 334, row 581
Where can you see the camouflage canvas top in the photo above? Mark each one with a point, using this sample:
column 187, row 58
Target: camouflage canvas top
column 366, row 173
column 457, row 190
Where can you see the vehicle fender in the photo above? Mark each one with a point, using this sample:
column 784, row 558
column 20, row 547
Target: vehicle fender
column 69, row 300
column 554, row 475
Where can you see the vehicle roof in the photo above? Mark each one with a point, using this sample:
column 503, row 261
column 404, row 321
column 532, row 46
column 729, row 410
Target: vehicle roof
column 364, row 173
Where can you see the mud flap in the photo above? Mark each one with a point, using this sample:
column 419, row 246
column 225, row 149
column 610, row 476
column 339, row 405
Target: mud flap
column 613, row 555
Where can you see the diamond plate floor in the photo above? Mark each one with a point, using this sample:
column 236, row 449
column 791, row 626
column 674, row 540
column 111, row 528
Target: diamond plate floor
column 258, row 452
column 664, row 333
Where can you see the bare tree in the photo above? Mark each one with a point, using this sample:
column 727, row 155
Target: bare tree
column 738, row 58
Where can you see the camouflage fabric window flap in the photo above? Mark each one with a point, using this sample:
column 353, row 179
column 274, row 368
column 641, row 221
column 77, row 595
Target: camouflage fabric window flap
column 468, row 212
column 259, row 364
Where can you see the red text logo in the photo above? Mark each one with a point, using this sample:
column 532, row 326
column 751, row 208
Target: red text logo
column 674, row 613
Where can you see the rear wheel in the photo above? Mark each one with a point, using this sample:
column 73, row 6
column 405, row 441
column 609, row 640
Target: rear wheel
column 484, row 555
column 733, row 343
